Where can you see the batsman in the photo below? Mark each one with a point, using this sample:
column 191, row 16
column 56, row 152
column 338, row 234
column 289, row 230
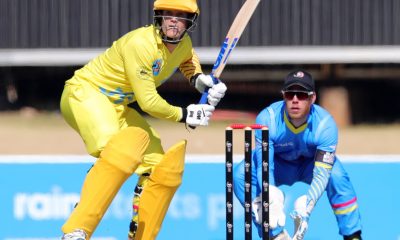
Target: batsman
column 302, row 144
column 95, row 104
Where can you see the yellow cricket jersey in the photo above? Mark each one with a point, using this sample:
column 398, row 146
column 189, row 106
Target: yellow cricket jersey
column 135, row 65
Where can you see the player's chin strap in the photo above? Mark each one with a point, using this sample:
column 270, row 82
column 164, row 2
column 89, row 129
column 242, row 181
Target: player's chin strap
column 167, row 39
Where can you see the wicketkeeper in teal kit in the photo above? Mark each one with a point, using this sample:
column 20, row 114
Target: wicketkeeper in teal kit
column 302, row 143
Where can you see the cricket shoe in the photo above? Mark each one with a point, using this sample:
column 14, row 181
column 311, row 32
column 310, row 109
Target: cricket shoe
column 284, row 235
column 354, row 236
column 77, row 234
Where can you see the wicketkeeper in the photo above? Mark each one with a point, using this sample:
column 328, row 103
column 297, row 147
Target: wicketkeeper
column 95, row 103
column 302, row 144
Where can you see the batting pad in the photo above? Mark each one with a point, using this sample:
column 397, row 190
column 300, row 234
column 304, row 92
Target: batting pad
column 157, row 195
column 117, row 162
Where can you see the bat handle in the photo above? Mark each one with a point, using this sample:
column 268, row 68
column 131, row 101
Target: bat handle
column 203, row 99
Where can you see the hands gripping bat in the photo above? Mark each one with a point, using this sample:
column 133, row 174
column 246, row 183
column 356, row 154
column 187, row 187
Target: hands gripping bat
column 231, row 39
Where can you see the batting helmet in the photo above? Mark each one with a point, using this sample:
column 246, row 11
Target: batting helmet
column 188, row 6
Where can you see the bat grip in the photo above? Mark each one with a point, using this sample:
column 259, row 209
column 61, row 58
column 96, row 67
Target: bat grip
column 203, row 99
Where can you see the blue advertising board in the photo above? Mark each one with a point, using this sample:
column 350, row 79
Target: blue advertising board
column 38, row 193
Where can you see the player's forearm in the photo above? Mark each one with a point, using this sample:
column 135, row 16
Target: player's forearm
column 321, row 175
column 191, row 67
column 161, row 109
column 153, row 104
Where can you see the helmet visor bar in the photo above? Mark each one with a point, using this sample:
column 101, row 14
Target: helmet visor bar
column 190, row 24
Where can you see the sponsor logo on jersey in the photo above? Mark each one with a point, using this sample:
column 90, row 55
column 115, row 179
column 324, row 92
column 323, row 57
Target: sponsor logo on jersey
column 142, row 73
column 286, row 144
column 156, row 67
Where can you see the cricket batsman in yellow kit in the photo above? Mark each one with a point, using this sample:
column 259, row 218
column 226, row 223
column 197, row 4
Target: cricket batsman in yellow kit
column 95, row 103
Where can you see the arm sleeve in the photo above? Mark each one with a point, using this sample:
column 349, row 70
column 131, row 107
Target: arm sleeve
column 191, row 67
column 326, row 139
column 321, row 175
column 138, row 61
column 264, row 118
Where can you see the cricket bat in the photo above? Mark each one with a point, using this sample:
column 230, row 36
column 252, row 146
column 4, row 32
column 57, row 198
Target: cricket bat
column 231, row 39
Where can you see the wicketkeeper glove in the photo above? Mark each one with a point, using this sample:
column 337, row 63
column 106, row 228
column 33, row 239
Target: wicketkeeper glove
column 277, row 214
column 256, row 207
column 301, row 214
column 197, row 114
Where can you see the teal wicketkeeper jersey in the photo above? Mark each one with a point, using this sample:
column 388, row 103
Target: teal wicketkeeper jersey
column 296, row 145
column 303, row 154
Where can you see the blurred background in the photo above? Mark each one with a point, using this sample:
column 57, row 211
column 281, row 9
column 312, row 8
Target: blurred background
column 351, row 47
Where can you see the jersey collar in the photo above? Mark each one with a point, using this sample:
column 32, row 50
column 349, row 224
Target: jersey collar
column 292, row 128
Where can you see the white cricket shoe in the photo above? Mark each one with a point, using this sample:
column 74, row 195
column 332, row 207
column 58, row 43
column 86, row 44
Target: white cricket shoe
column 77, row 234
column 284, row 235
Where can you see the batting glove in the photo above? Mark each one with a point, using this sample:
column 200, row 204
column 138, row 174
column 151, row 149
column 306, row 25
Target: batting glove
column 198, row 114
column 201, row 82
column 216, row 93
